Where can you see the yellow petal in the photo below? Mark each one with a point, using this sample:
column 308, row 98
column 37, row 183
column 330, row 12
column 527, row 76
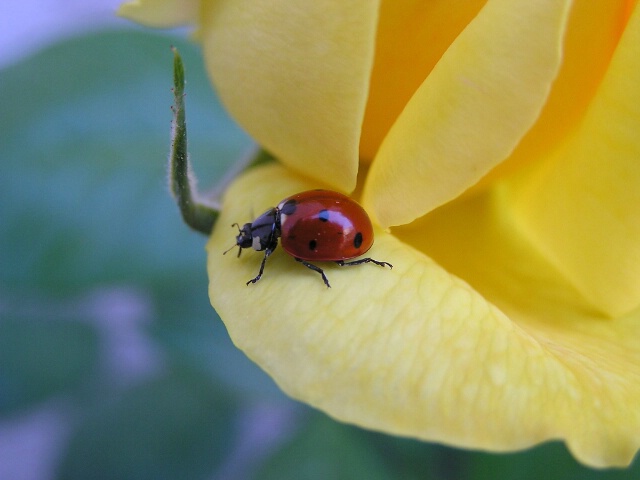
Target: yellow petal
column 295, row 75
column 592, row 36
column 412, row 36
column 416, row 351
column 472, row 110
column 161, row 13
column 598, row 410
column 581, row 206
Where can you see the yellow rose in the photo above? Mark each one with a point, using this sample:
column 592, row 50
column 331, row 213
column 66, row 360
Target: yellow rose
column 496, row 146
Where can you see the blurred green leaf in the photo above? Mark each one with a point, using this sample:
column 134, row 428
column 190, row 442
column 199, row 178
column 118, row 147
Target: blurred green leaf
column 550, row 460
column 412, row 459
column 324, row 449
column 85, row 208
column 85, row 202
column 85, row 136
column 39, row 359
column 178, row 426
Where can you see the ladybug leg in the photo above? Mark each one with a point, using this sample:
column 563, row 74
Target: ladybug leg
column 342, row 263
column 315, row 269
column 267, row 252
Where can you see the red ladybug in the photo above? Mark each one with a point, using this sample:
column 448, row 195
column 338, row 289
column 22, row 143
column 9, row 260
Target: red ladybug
column 318, row 225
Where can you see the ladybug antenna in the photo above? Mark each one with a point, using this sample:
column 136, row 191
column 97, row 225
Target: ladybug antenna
column 236, row 245
column 232, row 247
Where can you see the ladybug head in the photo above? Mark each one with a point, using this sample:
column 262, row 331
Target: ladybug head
column 243, row 239
column 261, row 234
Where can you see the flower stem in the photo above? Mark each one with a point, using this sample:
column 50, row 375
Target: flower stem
column 195, row 213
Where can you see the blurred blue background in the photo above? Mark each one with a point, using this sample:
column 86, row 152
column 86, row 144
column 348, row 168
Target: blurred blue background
column 112, row 363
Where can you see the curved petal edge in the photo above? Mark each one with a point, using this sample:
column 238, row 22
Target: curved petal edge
column 471, row 111
column 413, row 351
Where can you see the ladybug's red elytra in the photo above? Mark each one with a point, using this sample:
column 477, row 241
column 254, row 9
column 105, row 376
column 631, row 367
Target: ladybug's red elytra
column 318, row 225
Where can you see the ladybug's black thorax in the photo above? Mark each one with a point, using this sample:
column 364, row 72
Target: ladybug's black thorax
column 262, row 233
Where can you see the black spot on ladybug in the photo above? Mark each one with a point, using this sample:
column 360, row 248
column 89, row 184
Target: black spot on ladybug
column 312, row 245
column 289, row 207
column 323, row 215
column 357, row 241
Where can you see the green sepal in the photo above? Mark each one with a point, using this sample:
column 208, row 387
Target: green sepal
column 195, row 212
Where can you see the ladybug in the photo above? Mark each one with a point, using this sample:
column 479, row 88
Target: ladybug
column 316, row 225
